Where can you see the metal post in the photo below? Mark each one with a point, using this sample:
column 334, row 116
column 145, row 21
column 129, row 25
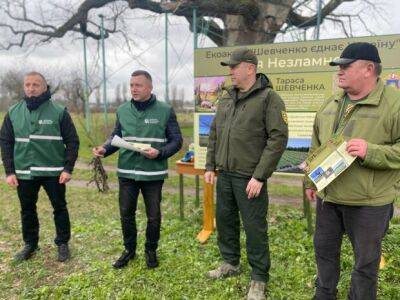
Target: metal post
column 181, row 200
column 318, row 18
column 195, row 37
column 86, row 87
column 104, row 70
column 197, row 180
column 307, row 212
column 195, row 27
column 166, row 60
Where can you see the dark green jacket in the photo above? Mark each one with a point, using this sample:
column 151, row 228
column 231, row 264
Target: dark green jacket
column 376, row 119
column 249, row 132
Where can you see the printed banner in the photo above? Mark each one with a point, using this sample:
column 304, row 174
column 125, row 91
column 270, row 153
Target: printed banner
column 300, row 74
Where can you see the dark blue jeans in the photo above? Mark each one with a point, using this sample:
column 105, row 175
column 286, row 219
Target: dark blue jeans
column 28, row 191
column 128, row 198
column 365, row 226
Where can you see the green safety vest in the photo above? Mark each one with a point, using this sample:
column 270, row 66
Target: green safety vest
column 39, row 148
column 147, row 127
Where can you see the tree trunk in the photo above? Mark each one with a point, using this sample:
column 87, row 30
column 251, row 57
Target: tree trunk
column 260, row 27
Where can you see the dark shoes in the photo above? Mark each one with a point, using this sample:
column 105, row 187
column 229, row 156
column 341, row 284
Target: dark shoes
column 26, row 253
column 125, row 257
column 63, row 252
column 29, row 250
column 151, row 259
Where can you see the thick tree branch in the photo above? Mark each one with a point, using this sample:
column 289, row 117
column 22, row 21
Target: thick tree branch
column 303, row 22
column 245, row 21
column 214, row 32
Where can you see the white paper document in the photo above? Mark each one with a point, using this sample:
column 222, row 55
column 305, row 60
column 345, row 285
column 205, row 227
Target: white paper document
column 327, row 162
column 137, row 147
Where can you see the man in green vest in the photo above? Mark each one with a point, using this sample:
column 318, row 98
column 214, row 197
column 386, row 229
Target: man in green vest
column 247, row 138
column 39, row 147
column 146, row 120
column 359, row 202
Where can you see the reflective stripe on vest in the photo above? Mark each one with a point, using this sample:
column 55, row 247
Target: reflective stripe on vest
column 23, row 171
column 45, row 137
column 22, row 140
column 39, row 137
column 145, row 173
column 53, row 169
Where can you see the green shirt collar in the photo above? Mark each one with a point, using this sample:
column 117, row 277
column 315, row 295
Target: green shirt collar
column 373, row 98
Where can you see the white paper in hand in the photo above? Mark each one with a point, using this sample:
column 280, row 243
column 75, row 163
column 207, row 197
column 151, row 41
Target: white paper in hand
column 120, row 143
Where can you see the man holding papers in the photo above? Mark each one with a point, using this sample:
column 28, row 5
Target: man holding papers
column 151, row 128
column 359, row 202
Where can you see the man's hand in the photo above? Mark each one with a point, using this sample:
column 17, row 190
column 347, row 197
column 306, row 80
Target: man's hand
column 311, row 195
column 151, row 153
column 12, row 180
column 209, row 177
column 64, row 177
column 253, row 188
column 99, row 151
column 357, row 147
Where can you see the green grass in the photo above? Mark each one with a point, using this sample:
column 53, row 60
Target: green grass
column 96, row 243
column 283, row 190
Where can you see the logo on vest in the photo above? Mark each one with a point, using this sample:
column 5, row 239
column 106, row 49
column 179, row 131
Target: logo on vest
column 45, row 122
column 151, row 121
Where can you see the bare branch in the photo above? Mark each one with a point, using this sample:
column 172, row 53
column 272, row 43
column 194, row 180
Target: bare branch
column 304, row 22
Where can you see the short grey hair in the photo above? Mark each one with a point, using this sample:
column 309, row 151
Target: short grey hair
column 142, row 73
column 35, row 73
column 378, row 69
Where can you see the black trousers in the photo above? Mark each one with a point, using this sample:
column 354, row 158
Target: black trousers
column 365, row 226
column 28, row 191
column 128, row 198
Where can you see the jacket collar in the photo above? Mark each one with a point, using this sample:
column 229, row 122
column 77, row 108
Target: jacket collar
column 33, row 103
column 143, row 105
column 373, row 98
column 262, row 82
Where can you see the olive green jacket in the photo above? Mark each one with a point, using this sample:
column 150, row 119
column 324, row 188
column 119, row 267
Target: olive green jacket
column 249, row 132
column 376, row 119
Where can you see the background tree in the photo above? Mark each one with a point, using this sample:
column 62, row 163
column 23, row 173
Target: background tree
column 125, row 93
column 226, row 22
column 71, row 90
column 118, row 97
column 97, row 96
column 11, row 88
